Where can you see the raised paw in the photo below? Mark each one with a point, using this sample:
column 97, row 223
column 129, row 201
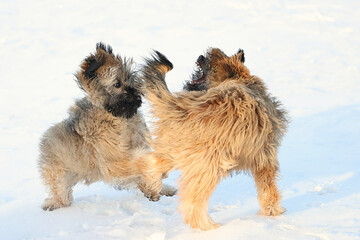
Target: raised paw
column 153, row 197
column 168, row 190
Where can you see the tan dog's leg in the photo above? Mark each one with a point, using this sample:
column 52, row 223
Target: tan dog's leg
column 196, row 187
column 268, row 194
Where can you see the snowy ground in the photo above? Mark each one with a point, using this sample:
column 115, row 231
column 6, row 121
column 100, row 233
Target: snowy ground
column 306, row 51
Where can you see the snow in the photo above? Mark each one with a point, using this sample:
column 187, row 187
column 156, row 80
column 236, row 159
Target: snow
column 307, row 52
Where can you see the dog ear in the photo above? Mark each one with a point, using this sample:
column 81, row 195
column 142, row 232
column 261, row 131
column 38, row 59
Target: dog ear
column 216, row 54
column 91, row 64
column 88, row 68
column 95, row 61
column 240, row 55
column 105, row 47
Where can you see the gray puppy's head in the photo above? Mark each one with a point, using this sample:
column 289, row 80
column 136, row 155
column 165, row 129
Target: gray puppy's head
column 110, row 82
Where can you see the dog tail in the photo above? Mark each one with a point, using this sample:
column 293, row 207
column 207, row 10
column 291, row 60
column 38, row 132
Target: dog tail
column 153, row 73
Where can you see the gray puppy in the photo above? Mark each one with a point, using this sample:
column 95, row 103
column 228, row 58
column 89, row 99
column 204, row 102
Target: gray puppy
column 104, row 138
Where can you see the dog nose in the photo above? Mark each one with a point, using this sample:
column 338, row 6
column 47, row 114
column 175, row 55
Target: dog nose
column 200, row 59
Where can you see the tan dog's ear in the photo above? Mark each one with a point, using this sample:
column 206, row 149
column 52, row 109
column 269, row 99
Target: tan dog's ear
column 240, row 55
column 217, row 55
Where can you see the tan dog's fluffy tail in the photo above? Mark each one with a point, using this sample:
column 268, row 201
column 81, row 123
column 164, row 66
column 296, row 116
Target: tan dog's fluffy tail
column 154, row 72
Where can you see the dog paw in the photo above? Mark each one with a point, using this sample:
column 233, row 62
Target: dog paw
column 168, row 190
column 50, row 205
column 204, row 224
column 208, row 227
column 272, row 211
column 154, row 197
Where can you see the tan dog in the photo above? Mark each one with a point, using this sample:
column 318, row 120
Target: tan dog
column 224, row 122
column 104, row 136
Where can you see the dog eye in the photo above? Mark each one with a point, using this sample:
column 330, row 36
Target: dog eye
column 117, row 85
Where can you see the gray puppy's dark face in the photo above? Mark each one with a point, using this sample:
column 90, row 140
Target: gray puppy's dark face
column 110, row 82
column 124, row 104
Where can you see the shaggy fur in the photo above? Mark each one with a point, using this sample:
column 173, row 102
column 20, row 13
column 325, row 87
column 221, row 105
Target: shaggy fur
column 104, row 136
column 229, row 124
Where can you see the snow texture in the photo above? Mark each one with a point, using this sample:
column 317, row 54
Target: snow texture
column 307, row 52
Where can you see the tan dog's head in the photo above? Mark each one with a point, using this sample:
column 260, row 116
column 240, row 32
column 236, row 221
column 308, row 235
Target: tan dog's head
column 110, row 82
column 216, row 67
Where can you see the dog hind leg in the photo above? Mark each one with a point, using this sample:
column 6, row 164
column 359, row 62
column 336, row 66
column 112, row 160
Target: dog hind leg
column 196, row 188
column 268, row 193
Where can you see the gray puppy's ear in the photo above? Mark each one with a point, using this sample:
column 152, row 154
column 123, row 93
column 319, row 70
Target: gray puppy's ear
column 95, row 61
column 240, row 55
column 105, row 47
column 88, row 68
column 91, row 64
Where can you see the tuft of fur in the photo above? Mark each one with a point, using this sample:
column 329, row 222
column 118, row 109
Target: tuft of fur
column 154, row 71
column 104, row 137
column 229, row 124
column 103, row 46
